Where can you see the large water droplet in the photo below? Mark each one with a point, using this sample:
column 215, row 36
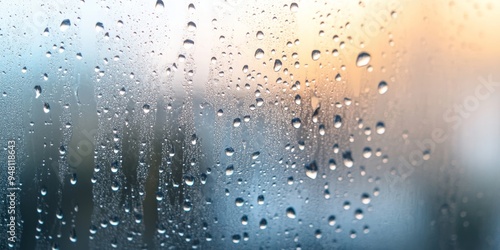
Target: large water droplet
column 315, row 55
column 348, row 161
column 159, row 6
column 296, row 123
column 363, row 59
column 65, row 25
column 188, row 44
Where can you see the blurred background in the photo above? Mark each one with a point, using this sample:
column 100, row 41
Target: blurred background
column 234, row 124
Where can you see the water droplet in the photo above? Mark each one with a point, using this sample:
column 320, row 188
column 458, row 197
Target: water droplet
column 99, row 27
column 317, row 234
column 367, row 152
column 260, row 35
column 358, row 214
column 263, row 224
column 239, row 202
column 46, row 32
column 72, row 236
column 123, row 91
column 296, row 122
column 277, row 65
column 332, row 164
column 65, row 25
column 46, row 108
column 294, row 7
column 315, row 55
column 191, row 26
column 380, row 128
column 348, row 161
column 312, row 170
column 188, row 44
column 244, row 220
column 236, row 238
column 230, row 171
column 365, row 198
column 159, row 6
column 43, row 191
column 236, row 122
column 382, row 87
column 337, row 121
column 260, row 200
column 331, row 220
column 229, row 151
column 298, row 99
column 259, row 54
column 159, row 196
column 73, row 179
column 290, row 213
column 38, row 92
column 363, row 59
column 146, row 108
column 338, row 77
column 347, row 205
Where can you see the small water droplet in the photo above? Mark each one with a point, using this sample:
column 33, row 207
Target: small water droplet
column 236, row 122
column 146, row 108
column 380, row 128
column 365, row 198
column 337, row 121
column 290, row 213
column 312, row 170
column 38, row 91
column 382, row 87
column 46, row 108
column 358, row 214
column 263, row 224
column 294, row 7
column 331, row 220
column 99, row 27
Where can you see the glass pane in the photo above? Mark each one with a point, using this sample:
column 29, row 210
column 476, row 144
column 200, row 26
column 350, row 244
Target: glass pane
column 249, row 124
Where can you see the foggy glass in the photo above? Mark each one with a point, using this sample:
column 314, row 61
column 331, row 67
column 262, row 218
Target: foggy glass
column 234, row 124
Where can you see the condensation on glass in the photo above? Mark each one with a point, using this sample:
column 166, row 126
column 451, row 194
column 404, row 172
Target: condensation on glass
column 250, row 124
